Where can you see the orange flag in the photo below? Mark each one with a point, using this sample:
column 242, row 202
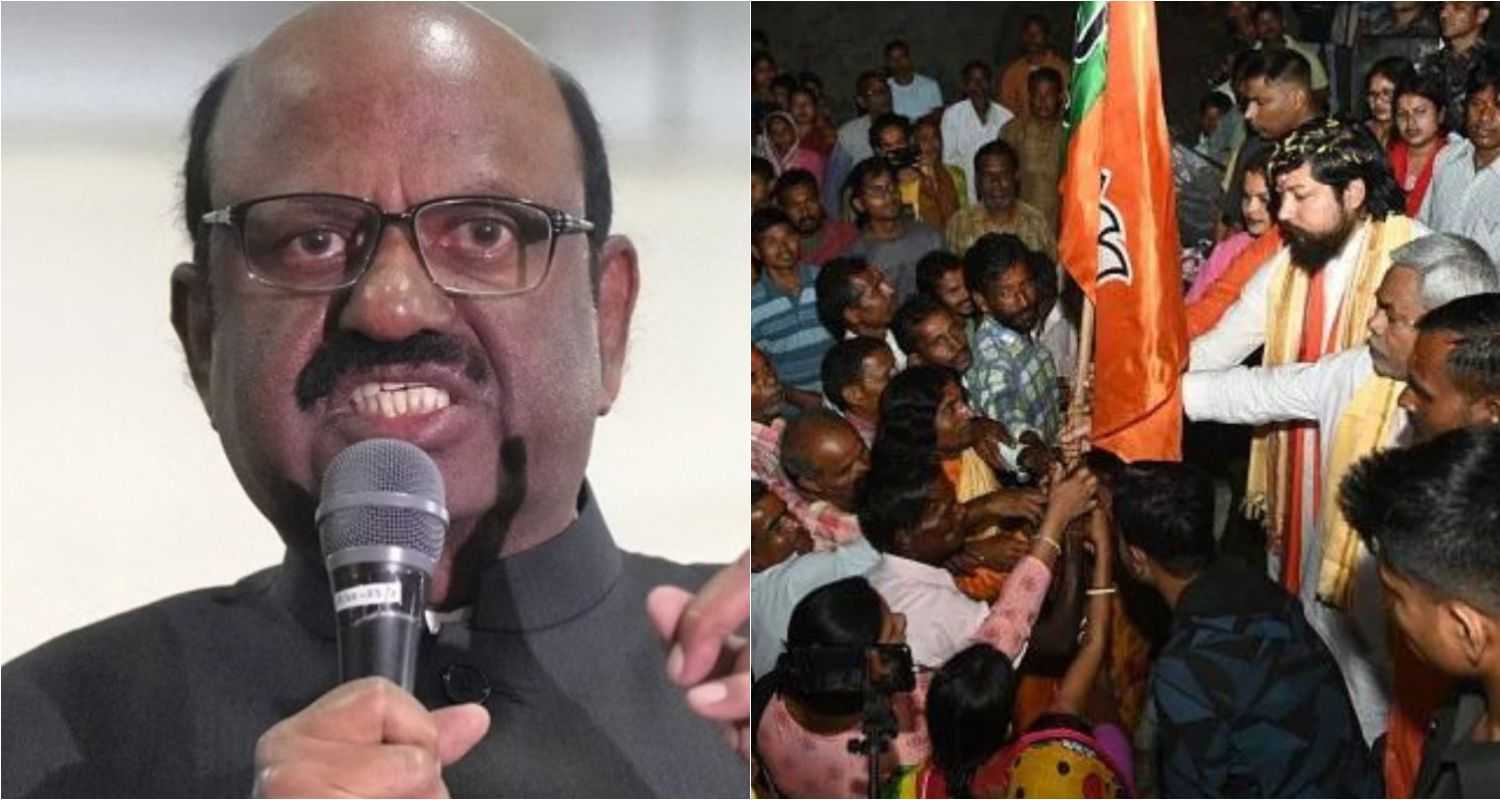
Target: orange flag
column 1118, row 236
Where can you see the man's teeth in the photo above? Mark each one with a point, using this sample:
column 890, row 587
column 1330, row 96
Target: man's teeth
column 392, row 400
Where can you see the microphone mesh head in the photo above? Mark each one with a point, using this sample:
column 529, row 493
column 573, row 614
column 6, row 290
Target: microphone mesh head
column 383, row 465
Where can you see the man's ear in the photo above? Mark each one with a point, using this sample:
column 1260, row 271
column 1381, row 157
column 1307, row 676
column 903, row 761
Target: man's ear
column 1475, row 632
column 1354, row 195
column 619, row 282
column 858, row 204
column 193, row 319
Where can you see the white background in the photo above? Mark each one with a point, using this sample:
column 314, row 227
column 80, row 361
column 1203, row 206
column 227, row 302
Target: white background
column 113, row 489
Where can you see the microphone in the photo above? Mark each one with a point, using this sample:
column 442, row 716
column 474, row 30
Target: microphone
column 381, row 520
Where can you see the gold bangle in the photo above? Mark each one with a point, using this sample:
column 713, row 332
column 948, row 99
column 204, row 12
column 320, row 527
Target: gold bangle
column 1055, row 545
column 1101, row 590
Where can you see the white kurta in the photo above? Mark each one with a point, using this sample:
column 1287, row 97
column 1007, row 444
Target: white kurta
column 1317, row 391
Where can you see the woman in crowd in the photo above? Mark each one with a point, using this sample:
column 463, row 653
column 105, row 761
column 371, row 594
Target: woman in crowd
column 1421, row 134
column 943, row 188
column 1380, row 96
column 813, row 132
column 801, row 736
column 782, row 146
column 1255, row 208
column 925, row 419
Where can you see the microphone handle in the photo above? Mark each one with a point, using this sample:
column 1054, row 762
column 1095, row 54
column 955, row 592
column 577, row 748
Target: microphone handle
column 379, row 605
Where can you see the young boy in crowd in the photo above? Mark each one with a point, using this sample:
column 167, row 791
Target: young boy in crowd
column 1430, row 514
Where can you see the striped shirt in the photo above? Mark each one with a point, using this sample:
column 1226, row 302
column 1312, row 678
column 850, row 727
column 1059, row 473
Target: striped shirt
column 786, row 328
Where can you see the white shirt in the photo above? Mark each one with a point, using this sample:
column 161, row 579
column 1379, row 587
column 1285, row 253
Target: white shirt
column 916, row 98
column 1464, row 201
column 776, row 591
column 1318, row 391
column 964, row 133
column 940, row 619
column 854, row 137
column 1318, row 76
column 1243, row 326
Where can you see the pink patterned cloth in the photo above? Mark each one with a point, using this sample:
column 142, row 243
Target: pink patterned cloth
column 1218, row 261
column 829, row 525
column 804, row 764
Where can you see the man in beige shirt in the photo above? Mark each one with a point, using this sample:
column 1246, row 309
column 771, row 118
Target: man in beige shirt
column 1038, row 139
column 997, row 176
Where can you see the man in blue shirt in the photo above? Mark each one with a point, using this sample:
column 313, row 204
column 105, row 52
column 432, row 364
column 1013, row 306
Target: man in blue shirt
column 1249, row 701
column 784, row 320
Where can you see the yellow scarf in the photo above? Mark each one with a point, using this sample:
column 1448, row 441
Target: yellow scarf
column 1271, row 449
column 1364, row 426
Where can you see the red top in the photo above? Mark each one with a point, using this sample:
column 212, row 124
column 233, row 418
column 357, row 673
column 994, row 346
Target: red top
column 1415, row 186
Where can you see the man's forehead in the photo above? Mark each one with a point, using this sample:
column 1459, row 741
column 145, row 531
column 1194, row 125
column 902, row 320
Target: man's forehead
column 416, row 84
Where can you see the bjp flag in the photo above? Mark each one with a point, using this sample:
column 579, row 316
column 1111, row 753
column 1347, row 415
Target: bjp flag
column 1119, row 230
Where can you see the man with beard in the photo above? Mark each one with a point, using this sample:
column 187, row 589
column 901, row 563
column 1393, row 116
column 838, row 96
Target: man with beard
column 940, row 276
column 887, row 236
column 823, row 239
column 997, row 172
column 1353, row 396
column 1013, row 379
column 1340, row 217
column 1465, row 194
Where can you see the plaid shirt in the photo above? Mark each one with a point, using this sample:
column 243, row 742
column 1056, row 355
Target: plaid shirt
column 830, row 526
column 1014, row 380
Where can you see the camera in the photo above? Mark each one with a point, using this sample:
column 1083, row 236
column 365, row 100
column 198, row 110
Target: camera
column 882, row 668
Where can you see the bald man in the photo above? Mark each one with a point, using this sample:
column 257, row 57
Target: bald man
column 400, row 222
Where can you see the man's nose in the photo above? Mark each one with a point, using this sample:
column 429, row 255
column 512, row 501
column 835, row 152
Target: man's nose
column 396, row 298
column 1284, row 213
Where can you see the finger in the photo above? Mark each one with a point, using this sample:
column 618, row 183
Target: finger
column 725, row 699
column 717, row 610
column 319, row 768
column 459, row 729
column 366, row 711
column 664, row 606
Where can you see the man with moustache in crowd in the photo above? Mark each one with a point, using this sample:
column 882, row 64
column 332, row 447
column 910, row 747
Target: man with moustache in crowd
column 855, row 374
column 932, row 334
column 824, row 460
column 823, row 239
column 1353, row 396
column 1465, row 194
column 887, row 236
column 402, row 257
column 1340, row 217
column 940, row 276
column 997, row 171
column 972, row 122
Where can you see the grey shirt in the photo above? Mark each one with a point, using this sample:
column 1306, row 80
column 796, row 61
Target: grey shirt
column 898, row 257
column 169, row 699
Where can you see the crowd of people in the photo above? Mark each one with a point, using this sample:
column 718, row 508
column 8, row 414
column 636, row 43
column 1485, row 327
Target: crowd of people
column 956, row 594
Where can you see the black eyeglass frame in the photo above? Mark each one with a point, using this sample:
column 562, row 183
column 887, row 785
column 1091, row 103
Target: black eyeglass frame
column 560, row 223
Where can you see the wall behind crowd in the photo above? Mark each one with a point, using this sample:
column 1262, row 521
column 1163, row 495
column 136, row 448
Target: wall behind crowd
column 839, row 40
column 115, row 489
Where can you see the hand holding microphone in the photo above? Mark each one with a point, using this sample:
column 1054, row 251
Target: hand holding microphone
column 382, row 520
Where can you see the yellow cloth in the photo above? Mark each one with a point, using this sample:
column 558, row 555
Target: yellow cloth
column 1364, row 426
column 1271, row 449
column 1027, row 223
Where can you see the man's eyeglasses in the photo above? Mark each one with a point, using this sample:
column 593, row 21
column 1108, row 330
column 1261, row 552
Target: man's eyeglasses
column 485, row 246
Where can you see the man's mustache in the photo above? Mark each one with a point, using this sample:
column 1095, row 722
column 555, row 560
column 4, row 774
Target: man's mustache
column 350, row 351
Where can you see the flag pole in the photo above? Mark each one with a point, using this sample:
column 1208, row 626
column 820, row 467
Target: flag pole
column 1080, row 404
